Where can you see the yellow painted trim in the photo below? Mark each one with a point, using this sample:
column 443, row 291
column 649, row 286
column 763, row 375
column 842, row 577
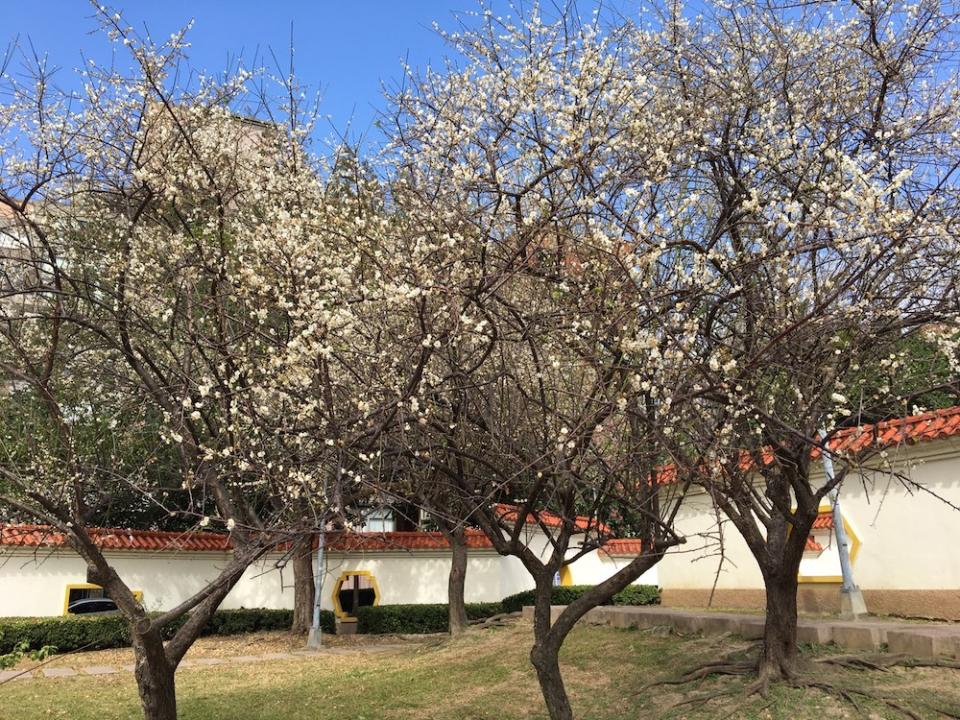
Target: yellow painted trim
column 855, row 541
column 337, row 609
column 137, row 594
column 566, row 577
column 855, row 544
column 76, row 586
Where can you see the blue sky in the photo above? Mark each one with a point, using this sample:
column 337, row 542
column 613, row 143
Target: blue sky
column 343, row 49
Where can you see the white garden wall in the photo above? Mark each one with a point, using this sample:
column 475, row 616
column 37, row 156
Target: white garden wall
column 906, row 559
column 34, row 582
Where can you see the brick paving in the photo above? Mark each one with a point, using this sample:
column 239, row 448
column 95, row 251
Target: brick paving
column 99, row 670
column 6, row 675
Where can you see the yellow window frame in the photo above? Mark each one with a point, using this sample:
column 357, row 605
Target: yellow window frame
column 137, row 594
column 855, row 544
column 337, row 608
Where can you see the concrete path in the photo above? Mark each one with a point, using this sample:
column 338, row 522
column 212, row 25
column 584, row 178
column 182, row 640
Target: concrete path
column 60, row 666
column 922, row 640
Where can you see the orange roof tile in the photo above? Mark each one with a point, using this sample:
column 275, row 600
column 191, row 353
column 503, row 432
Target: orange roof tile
column 935, row 425
column 508, row 513
column 813, row 545
column 385, row 541
column 116, row 539
column 623, row 547
column 823, row 521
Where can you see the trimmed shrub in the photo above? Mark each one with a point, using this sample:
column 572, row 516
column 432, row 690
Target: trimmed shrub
column 416, row 619
column 631, row 595
column 110, row 631
column 238, row 622
column 638, row 595
column 66, row 633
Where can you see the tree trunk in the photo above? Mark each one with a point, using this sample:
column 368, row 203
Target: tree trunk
column 304, row 590
column 778, row 657
column 155, row 677
column 545, row 654
column 456, row 585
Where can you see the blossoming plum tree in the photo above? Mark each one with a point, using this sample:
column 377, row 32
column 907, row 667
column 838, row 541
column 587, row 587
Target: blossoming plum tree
column 185, row 262
column 701, row 230
column 566, row 366
column 821, row 213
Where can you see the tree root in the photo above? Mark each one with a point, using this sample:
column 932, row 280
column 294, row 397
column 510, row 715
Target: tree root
column 884, row 662
column 736, row 664
column 761, row 687
column 744, row 662
column 698, row 701
column 850, row 695
column 701, row 672
column 496, row 621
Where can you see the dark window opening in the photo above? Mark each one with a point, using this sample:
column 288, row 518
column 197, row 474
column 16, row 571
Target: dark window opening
column 91, row 599
column 406, row 517
column 85, row 593
column 93, row 606
column 356, row 591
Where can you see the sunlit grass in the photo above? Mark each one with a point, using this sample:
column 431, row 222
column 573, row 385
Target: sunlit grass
column 483, row 676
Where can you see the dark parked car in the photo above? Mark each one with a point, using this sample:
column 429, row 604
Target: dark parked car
column 93, row 606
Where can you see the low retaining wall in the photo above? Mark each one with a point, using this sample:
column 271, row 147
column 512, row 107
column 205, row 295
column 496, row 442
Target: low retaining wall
column 918, row 640
column 824, row 598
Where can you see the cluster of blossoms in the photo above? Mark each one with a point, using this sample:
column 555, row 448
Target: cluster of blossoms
column 200, row 269
column 644, row 219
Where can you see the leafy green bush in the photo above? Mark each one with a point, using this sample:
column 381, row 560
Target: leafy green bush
column 631, row 595
column 66, row 633
column 416, row 619
column 8, row 660
column 237, row 622
column 638, row 595
column 109, row 631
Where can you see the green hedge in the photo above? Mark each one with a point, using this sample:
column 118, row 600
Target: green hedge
column 416, row 619
column 66, row 633
column 631, row 595
column 638, row 595
column 110, row 631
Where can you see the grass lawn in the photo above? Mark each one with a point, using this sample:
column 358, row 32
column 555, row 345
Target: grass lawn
column 483, row 676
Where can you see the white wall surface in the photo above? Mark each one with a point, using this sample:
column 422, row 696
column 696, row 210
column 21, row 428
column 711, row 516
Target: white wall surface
column 908, row 537
column 34, row 583
column 418, row 576
column 695, row 563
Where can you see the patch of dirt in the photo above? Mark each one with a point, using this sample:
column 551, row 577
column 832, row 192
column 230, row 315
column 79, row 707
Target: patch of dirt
column 227, row 646
column 361, row 640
